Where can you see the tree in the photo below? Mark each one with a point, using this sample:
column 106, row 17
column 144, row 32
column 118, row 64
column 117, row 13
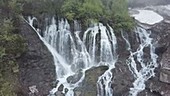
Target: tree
column 120, row 15
column 70, row 8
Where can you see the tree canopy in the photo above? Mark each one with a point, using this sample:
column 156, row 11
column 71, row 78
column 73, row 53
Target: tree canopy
column 87, row 11
column 95, row 10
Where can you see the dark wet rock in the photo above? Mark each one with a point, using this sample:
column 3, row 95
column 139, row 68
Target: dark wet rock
column 61, row 87
column 160, row 88
column 89, row 87
column 159, row 84
column 66, row 90
column 55, row 83
column 163, row 50
column 165, row 76
column 35, row 24
column 59, row 93
column 122, row 79
column 148, row 92
column 75, row 78
column 159, row 50
column 165, row 67
column 36, row 65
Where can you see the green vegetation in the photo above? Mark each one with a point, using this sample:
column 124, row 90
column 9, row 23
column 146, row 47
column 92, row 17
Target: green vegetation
column 121, row 16
column 39, row 7
column 85, row 9
column 11, row 46
column 115, row 11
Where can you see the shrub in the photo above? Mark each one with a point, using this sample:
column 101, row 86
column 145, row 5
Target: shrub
column 11, row 46
column 95, row 10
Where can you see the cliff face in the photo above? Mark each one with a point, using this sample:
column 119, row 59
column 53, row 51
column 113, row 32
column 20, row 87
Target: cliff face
column 161, row 33
column 123, row 79
column 160, row 83
column 37, row 71
column 36, row 66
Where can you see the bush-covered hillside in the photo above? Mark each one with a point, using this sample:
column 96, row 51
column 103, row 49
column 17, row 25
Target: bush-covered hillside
column 114, row 12
column 11, row 46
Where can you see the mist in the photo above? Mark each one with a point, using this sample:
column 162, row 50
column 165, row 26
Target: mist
column 143, row 3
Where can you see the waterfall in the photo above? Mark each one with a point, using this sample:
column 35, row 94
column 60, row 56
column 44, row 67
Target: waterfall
column 147, row 66
column 73, row 54
column 109, row 58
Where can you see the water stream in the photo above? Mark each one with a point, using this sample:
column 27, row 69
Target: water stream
column 73, row 54
column 138, row 58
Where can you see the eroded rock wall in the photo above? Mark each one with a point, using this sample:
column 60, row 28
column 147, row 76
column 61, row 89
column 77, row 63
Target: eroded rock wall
column 36, row 66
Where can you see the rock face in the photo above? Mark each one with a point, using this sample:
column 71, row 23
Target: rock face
column 163, row 49
column 159, row 85
column 89, row 87
column 38, row 73
column 37, row 70
column 155, row 86
column 165, row 76
column 165, row 61
column 122, row 79
column 165, row 66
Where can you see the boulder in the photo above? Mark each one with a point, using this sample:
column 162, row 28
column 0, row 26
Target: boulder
column 75, row 78
column 89, row 87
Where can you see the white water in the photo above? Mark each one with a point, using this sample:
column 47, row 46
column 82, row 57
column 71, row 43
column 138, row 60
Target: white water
column 72, row 54
column 109, row 58
column 147, row 68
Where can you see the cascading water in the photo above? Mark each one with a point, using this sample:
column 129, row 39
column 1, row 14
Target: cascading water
column 97, row 47
column 109, row 58
column 73, row 54
column 66, row 48
column 147, row 68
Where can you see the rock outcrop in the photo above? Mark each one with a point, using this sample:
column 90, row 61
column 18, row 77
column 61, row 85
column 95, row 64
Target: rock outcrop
column 89, row 86
column 36, row 66
column 164, row 50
